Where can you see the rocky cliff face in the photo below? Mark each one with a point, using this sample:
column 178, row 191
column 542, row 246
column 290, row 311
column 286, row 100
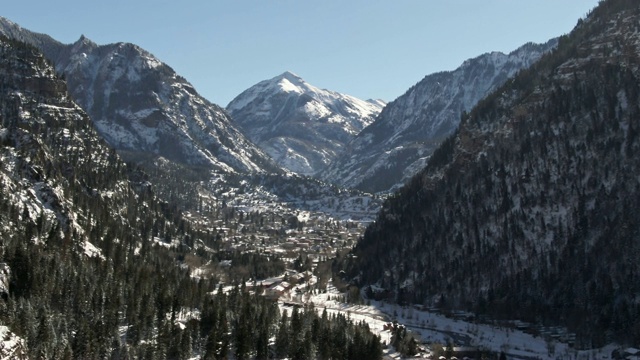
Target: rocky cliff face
column 143, row 108
column 528, row 211
column 301, row 127
column 48, row 145
column 401, row 139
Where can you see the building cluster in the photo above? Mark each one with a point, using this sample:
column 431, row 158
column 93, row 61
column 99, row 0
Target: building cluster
column 285, row 233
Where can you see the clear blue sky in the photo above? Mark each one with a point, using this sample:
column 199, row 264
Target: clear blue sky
column 365, row 48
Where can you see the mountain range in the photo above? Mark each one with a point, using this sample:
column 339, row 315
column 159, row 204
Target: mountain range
column 523, row 209
column 156, row 119
column 303, row 128
column 150, row 115
column 524, row 206
column 143, row 108
column 403, row 136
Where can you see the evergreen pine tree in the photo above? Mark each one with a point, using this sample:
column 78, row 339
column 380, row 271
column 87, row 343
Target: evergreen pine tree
column 282, row 337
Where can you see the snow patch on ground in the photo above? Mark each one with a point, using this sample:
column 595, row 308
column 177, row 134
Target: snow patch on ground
column 92, row 251
column 11, row 345
column 432, row 328
column 289, row 87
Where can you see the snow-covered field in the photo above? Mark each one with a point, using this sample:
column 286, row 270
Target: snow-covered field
column 432, row 328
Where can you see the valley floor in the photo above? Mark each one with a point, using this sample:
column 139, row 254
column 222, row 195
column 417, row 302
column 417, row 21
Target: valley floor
column 433, row 328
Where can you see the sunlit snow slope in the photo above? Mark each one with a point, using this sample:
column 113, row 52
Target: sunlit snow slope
column 302, row 127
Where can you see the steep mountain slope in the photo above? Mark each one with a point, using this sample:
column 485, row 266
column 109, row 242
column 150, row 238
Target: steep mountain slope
column 302, row 127
column 530, row 210
column 143, row 108
column 398, row 144
column 50, row 149
column 67, row 203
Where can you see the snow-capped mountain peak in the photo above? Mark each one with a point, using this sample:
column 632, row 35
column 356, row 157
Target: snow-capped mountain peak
column 290, row 82
column 301, row 126
column 291, row 76
column 84, row 41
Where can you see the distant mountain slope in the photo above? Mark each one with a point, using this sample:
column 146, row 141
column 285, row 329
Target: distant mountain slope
column 143, row 108
column 530, row 210
column 398, row 144
column 302, row 127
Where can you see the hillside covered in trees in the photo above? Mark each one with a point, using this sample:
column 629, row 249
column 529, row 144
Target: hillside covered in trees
column 529, row 211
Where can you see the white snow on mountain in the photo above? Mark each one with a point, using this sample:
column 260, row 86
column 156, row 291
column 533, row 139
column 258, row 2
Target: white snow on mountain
column 143, row 108
column 168, row 117
column 301, row 126
column 400, row 141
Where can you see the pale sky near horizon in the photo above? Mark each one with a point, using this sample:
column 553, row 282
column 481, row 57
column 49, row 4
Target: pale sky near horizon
column 364, row 48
